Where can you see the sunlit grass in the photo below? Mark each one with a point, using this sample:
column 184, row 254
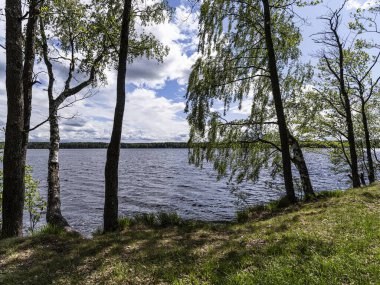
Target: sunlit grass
column 333, row 240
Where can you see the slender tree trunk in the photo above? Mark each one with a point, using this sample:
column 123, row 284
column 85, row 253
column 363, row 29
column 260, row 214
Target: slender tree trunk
column 371, row 169
column 352, row 143
column 113, row 151
column 299, row 161
column 27, row 76
column 348, row 115
column 14, row 163
column 53, row 213
column 272, row 65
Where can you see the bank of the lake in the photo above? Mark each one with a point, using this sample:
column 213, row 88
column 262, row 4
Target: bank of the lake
column 335, row 240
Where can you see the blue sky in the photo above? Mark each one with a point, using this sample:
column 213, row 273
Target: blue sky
column 155, row 92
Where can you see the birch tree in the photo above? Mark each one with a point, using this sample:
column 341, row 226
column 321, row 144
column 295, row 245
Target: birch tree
column 246, row 48
column 364, row 83
column 334, row 89
column 81, row 38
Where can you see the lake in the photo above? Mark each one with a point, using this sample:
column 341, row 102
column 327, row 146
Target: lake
column 153, row 180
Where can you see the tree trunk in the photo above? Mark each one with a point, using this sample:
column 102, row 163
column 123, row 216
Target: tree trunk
column 27, row 76
column 53, row 214
column 371, row 169
column 14, row 162
column 348, row 115
column 299, row 161
column 283, row 130
column 113, row 151
column 351, row 142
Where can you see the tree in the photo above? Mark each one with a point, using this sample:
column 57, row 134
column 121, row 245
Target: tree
column 128, row 50
column 14, row 164
column 83, row 37
column 335, row 91
column 113, row 150
column 295, row 86
column 28, row 77
column 245, row 50
column 19, row 110
column 365, row 23
column 359, row 71
column 73, row 39
column 276, row 93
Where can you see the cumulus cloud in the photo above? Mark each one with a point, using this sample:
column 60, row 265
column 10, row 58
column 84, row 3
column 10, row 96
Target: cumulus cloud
column 356, row 4
column 148, row 116
column 180, row 35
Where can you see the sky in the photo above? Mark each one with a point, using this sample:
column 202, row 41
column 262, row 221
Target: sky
column 155, row 102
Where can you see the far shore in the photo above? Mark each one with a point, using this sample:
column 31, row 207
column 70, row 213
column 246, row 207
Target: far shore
column 100, row 145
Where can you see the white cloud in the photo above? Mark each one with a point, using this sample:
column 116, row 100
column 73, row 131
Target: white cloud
column 180, row 35
column 148, row 117
column 356, row 4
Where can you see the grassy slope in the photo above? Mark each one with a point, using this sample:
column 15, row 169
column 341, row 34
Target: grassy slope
column 332, row 241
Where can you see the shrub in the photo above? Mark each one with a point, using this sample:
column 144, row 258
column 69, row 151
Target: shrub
column 158, row 220
column 34, row 203
column 329, row 194
column 169, row 219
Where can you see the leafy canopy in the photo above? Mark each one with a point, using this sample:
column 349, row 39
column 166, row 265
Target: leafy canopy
column 233, row 69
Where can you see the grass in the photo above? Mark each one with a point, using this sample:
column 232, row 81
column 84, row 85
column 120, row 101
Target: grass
column 333, row 240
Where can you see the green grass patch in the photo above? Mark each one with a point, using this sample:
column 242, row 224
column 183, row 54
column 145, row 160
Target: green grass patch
column 334, row 239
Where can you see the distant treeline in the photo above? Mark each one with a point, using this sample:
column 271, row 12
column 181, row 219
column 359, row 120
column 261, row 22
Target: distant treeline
column 72, row 145
column 83, row 145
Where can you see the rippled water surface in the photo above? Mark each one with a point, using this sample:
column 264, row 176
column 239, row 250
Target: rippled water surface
column 153, row 180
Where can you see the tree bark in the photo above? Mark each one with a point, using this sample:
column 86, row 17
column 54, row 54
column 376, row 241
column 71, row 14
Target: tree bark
column 27, row 76
column 351, row 142
column 276, row 91
column 53, row 214
column 113, row 151
column 299, row 161
column 371, row 169
column 348, row 115
column 14, row 163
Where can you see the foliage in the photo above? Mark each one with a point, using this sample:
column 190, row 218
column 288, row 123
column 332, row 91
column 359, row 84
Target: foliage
column 232, row 72
column 262, row 210
column 329, row 194
column 327, row 119
column 82, row 38
column 332, row 241
column 106, row 19
column 34, row 204
column 49, row 230
column 159, row 220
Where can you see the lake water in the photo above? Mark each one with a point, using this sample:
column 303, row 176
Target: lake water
column 153, row 180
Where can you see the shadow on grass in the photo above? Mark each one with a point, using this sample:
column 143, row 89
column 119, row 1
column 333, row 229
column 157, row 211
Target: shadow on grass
column 282, row 206
column 194, row 253
column 142, row 256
